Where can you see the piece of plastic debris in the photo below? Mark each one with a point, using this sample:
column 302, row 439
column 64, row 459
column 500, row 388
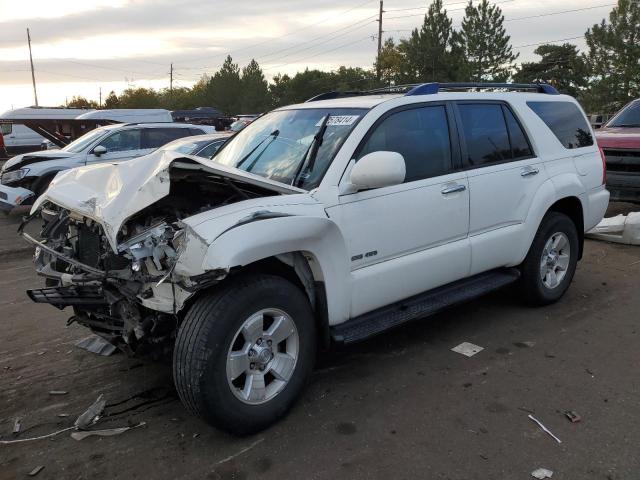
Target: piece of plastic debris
column 63, row 415
column 542, row 473
column 545, row 429
column 36, row 470
column 619, row 229
column 41, row 437
column 91, row 415
column 58, row 392
column 96, row 344
column 467, row 349
column 16, row 426
column 573, row 416
column 104, row 433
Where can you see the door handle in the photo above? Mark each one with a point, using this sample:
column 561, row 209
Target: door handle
column 453, row 189
column 529, row 171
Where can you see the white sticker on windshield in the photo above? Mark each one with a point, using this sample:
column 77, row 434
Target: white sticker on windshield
column 339, row 120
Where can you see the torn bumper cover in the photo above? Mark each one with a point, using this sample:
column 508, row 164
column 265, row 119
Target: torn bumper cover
column 11, row 197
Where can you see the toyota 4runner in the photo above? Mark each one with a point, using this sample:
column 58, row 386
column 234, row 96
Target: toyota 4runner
column 325, row 222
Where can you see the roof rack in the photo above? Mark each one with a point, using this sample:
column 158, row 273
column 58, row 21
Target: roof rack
column 434, row 87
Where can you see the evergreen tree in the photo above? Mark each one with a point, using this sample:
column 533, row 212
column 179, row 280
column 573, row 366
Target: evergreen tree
column 486, row 45
column 279, row 90
column 614, row 58
column 255, row 90
column 429, row 53
column 112, row 100
column 225, row 88
column 560, row 66
column 391, row 64
column 139, row 98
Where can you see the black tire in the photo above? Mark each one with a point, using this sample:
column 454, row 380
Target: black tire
column 204, row 339
column 534, row 291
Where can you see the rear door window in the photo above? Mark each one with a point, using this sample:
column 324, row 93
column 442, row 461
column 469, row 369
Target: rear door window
column 520, row 148
column 157, row 137
column 566, row 121
column 122, row 141
column 486, row 134
column 420, row 135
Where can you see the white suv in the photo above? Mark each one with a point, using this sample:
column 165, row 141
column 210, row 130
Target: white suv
column 24, row 177
column 332, row 220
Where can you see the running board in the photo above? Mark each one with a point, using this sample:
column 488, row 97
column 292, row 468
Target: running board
column 422, row 305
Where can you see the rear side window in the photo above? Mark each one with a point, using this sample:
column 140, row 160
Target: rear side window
column 122, row 141
column 157, row 137
column 566, row 121
column 520, row 147
column 6, row 128
column 485, row 132
column 420, row 135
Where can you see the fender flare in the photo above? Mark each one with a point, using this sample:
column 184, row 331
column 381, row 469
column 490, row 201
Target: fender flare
column 318, row 239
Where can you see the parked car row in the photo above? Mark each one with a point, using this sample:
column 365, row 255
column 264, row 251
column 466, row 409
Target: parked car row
column 320, row 223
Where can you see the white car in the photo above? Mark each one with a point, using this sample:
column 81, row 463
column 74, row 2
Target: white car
column 328, row 221
column 25, row 177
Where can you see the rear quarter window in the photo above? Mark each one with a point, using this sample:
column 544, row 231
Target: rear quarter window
column 566, row 121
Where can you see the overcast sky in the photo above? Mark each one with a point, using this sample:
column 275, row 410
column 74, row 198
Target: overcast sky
column 80, row 46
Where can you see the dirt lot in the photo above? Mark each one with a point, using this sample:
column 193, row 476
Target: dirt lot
column 399, row 406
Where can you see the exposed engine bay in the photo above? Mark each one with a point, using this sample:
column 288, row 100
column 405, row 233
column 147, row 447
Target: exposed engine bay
column 132, row 297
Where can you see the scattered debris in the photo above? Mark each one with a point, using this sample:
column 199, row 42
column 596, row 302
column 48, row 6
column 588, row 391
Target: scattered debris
column 36, row 470
column 63, row 415
column 91, row 415
column 467, row 349
column 545, row 429
column 110, row 432
column 542, row 473
column 16, row 426
column 58, row 392
column 42, row 352
column 49, row 435
column 590, row 372
column 527, row 344
column 244, row 450
column 573, row 416
column 619, row 229
column 96, row 344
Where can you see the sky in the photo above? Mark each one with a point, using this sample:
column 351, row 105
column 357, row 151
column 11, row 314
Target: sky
column 82, row 47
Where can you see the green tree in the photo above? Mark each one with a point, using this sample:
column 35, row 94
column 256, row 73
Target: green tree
column 486, row 45
column 81, row 102
column 614, row 58
column 112, row 100
column 139, row 98
column 279, row 89
column 225, row 88
column 560, row 66
column 255, row 90
column 391, row 63
column 430, row 53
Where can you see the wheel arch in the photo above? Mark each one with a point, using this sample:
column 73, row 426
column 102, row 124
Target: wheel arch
column 572, row 207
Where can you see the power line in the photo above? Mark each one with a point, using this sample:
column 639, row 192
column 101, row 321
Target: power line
column 558, row 13
column 548, row 41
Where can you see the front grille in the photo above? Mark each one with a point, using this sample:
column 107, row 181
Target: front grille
column 622, row 160
column 88, row 246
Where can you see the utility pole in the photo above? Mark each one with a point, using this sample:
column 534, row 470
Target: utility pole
column 171, row 81
column 379, row 40
column 33, row 75
column 100, row 98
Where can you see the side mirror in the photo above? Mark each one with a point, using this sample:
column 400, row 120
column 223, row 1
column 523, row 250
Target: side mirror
column 378, row 169
column 99, row 150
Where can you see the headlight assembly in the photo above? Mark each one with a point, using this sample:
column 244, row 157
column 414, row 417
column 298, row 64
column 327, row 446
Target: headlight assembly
column 14, row 176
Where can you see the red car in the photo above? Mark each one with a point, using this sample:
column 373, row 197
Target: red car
column 619, row 141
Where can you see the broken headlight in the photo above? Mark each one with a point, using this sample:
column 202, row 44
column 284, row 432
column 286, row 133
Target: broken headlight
column 152, row 244
column 14, row 176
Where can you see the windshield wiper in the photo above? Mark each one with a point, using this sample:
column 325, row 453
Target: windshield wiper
column 273, row 135
column 311, row 152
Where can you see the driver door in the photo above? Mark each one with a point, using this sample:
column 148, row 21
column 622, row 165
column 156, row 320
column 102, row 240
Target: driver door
column 408, row 238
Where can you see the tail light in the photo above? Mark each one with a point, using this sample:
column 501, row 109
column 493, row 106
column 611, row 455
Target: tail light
column 604, row 166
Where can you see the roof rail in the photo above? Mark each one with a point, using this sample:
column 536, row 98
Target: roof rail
column 433, row 88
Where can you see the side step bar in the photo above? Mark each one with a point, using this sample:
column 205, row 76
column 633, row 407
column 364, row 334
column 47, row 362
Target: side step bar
column 422, row 305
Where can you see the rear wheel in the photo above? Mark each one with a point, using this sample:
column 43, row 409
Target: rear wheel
column 243, row 353
column 551, row 262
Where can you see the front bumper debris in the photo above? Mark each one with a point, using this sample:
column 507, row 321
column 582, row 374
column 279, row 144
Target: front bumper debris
column 11, row 197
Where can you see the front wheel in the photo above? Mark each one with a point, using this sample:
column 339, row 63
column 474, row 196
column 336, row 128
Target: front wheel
column 243, row 353
column 551, row 262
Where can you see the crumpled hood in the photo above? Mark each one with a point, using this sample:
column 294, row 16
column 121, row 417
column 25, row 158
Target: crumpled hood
column 111, row 193
column 25, row 159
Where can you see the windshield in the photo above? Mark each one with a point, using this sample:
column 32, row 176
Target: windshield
column 629, row 116
column 274, row 145
column 84, row 141
column 187, row 147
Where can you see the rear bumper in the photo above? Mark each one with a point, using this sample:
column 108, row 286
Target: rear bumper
column 11, row 197
column 597, row 203
column 624, row 187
